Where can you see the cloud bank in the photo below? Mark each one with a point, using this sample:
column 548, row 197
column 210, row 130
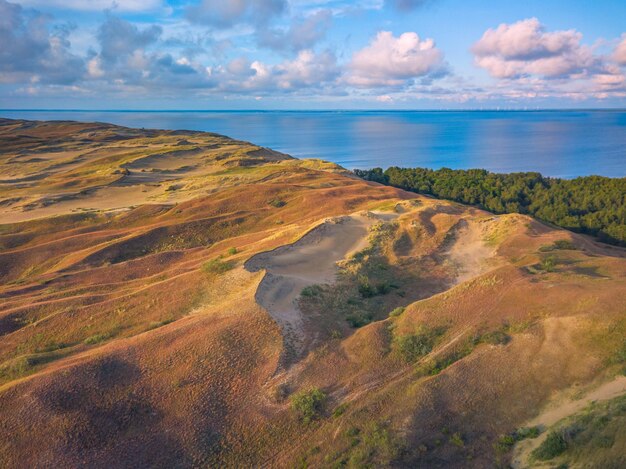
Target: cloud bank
column 263, row 48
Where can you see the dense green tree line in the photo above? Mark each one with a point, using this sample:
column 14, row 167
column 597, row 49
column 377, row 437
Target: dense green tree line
column 591, row 204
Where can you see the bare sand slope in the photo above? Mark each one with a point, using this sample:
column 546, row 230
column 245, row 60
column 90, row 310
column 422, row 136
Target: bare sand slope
column 469, row 253
column 311, row 260
column 565, row 409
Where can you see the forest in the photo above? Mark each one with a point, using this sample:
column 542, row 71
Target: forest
column 592, row 204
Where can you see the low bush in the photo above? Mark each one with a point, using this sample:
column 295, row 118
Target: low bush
column 367, row 290
column 277, row 203
column 554, row 445
column 548, row 264
column 308, row 404
column 96, row 339
column 311, row 291
column 157, row 324
column 217, row 266
column 560, row 244
column 359, row 319
column 506, row 442
column 340, row 410
column 396, row 312
column 414, row 346
column 495, row 338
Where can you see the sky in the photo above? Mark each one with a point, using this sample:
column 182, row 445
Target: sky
column 312, row 54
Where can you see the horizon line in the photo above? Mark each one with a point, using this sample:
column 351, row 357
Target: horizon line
column 497, row 109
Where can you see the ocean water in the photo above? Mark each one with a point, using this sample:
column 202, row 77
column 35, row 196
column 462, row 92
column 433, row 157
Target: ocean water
column 555, row 143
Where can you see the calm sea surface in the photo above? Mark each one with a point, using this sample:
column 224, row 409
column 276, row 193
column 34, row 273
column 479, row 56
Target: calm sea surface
column 555, row 143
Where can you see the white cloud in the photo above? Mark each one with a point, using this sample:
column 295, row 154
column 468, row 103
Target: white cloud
column 391, row 61
column 94, row 68
column 307, row 71
column 30, row 50
column 620, row 51
column 525, row 48
column 301, row 34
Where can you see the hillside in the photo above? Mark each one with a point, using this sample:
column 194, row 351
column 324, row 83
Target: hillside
column 182, row 299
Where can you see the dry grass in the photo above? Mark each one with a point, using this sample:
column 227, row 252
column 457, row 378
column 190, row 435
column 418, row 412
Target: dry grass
column 113, row 334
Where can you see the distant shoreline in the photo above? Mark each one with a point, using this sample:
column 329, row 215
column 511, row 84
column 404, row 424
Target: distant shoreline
column 322, row 110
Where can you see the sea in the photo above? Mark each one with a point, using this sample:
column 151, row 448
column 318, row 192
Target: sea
column 564, row 144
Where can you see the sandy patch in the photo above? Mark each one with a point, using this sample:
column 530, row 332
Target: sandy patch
column 469, row 253
column 311, row 260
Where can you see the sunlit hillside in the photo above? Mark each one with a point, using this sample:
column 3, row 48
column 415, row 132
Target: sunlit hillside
column 182, row 299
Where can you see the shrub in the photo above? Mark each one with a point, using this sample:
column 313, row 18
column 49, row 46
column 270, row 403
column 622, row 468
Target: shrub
column 554, row 445
column 548, row 264
column 414, row 346
column 560, row 244
column 457, row 440
column 396, row 312
column 359, row 319
column 336, row 334
column 277, row 203
column 96, row 339
column 16, row 368
column 308, row 403
column 311, row 291
column 374, row 446
column 527, row 432
column 157, row 324
column 340, row 410
column 232, row 251
column 365, row 288
column 506, row 442
column 496, row 338
column 217, row 266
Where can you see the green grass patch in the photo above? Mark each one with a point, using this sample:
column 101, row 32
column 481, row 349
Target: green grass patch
column 340, row 410
column 548, row 264
column 554, row 445
column 157, row 324
column 308, row 404
column 375, row 445
column 506, row 442
column 217, row 266
column 412, row 347
column 27, row 364
column 561, row 244
column 96, row 339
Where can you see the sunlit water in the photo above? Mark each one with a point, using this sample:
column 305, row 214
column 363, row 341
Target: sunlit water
column 555, row 143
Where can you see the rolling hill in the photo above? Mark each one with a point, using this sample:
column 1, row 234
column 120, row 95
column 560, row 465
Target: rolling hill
column 182, row 299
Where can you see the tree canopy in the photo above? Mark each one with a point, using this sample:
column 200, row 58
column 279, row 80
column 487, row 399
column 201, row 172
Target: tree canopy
column 592, row 204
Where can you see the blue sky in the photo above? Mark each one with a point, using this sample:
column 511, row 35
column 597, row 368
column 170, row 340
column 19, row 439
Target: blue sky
column 312, row 54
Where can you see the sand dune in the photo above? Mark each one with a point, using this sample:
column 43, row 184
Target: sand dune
column 310, row 260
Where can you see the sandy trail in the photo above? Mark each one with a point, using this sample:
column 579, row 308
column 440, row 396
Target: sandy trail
column 311, row 260
column 554, row 414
